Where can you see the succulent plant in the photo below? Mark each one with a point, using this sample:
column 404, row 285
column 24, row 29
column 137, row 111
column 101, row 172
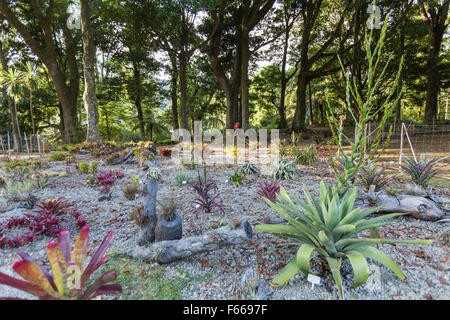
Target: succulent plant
column 237, row 178
column 154, row 173
column 130, row 191
column 421, row 172
column 372, row 176
column 269, row 190
column 69, row 279
column 249, row 168
column 284, row 169
column 328, row 228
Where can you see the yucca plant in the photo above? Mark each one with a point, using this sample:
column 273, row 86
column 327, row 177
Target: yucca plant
column 70, row 278
column 421, row 172
column 327, row 229
column 284, row 169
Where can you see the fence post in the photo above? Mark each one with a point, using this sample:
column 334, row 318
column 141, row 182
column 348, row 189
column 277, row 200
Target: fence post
column 9, row 147
column 39, row 145
column 401, row 145
column 26, row 144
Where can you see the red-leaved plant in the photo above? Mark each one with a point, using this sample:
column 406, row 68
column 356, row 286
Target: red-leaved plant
column 269, row 190
column 64, row 283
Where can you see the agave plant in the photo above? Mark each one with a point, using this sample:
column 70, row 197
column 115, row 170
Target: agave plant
column 67, row 281
column 421, row 172
column 327, row 229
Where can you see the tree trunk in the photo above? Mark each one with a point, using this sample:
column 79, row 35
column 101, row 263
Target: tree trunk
column 284, row 80
column 244, row 79
column 138, row 97
column 89, row 95
column 298, row 123
column 433, row 77
column 184, row 109
column 173, row 92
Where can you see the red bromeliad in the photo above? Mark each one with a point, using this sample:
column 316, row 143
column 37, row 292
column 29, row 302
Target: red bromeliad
column 64, row 283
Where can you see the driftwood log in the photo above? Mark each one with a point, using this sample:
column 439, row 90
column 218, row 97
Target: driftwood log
column 169, row 251
column 128, row 158
column 150, row 217
column 419, row 207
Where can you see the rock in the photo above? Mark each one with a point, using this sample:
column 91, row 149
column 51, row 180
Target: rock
column 107, row 197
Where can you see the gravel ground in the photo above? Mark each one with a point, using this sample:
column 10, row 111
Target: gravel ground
column 426, row 267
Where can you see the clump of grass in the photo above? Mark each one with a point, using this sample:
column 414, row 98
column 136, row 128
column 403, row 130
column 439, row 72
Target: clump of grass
column 130, row 191
column 182, row 179
column 305, row 156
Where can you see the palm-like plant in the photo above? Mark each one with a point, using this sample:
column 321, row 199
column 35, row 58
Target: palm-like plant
column 31, row 78
column 421, row 172
column 327, row 228
column 12, row 81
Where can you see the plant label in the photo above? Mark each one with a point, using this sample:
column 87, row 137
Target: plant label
column 314, row 280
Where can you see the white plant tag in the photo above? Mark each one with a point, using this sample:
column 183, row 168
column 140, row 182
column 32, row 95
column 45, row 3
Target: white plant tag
column 314, row 280
column 184, row 182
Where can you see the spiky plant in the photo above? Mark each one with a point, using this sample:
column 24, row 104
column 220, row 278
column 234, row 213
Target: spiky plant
column 284, row 169
column 237, row 178
column 130, row 191
column 70, row 278
column 154, row 173
column 269, row 190
column 422, row 171
column 327, row 228
column 182, row 179
column 249, row 168
column 305, row 156
column 372, row 176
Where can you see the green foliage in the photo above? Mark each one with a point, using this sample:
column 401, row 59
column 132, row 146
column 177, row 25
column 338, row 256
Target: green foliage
column 237, row 178
column 59, row 156
column 422, row 171
column 284, row 169
column 130, row 191
column 249, row 168
column 182, row 179
column 305, row 156
column 83, row 167
column 18, row 190
column 92, row 169
column 363, row 150
column 328, row 228
column 154, row 173
column 373, row 176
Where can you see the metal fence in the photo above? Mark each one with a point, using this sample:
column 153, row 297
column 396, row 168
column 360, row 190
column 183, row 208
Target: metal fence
column 28, row 144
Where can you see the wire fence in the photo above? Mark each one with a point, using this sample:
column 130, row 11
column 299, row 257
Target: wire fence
column 27, row 144
column 411, row 139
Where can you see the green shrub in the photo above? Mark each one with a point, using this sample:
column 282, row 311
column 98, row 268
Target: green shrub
column 93, row 167
column 327, row 228
column 305, row 156
column 182, row 179
column 82, row 166
column 59, row 156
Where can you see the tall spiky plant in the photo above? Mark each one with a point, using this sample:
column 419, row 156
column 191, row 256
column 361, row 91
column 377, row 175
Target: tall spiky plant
column 365, row 144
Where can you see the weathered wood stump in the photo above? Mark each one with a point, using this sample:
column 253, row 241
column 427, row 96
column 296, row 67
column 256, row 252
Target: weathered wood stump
column 418, row 207
column 169, row 251
column 128, row 158
column 147, row 233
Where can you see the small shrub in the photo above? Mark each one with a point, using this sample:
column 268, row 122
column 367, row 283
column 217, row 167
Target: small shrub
column 305, row 156
column 164, row 152
column 169, row 206
column 284, row 169
column 420, row 172
column 182, row 179
column 269, row 190
column 59, row 156
column 237, row 178
column 83, row 167
column 92, row 169
column 39, row 283
column 91, row 180
column 131, row 191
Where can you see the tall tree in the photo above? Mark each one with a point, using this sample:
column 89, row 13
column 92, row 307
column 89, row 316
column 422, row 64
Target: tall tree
column 89, row 95
column 6, row 83
column 434, row 14
column 43, row 28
